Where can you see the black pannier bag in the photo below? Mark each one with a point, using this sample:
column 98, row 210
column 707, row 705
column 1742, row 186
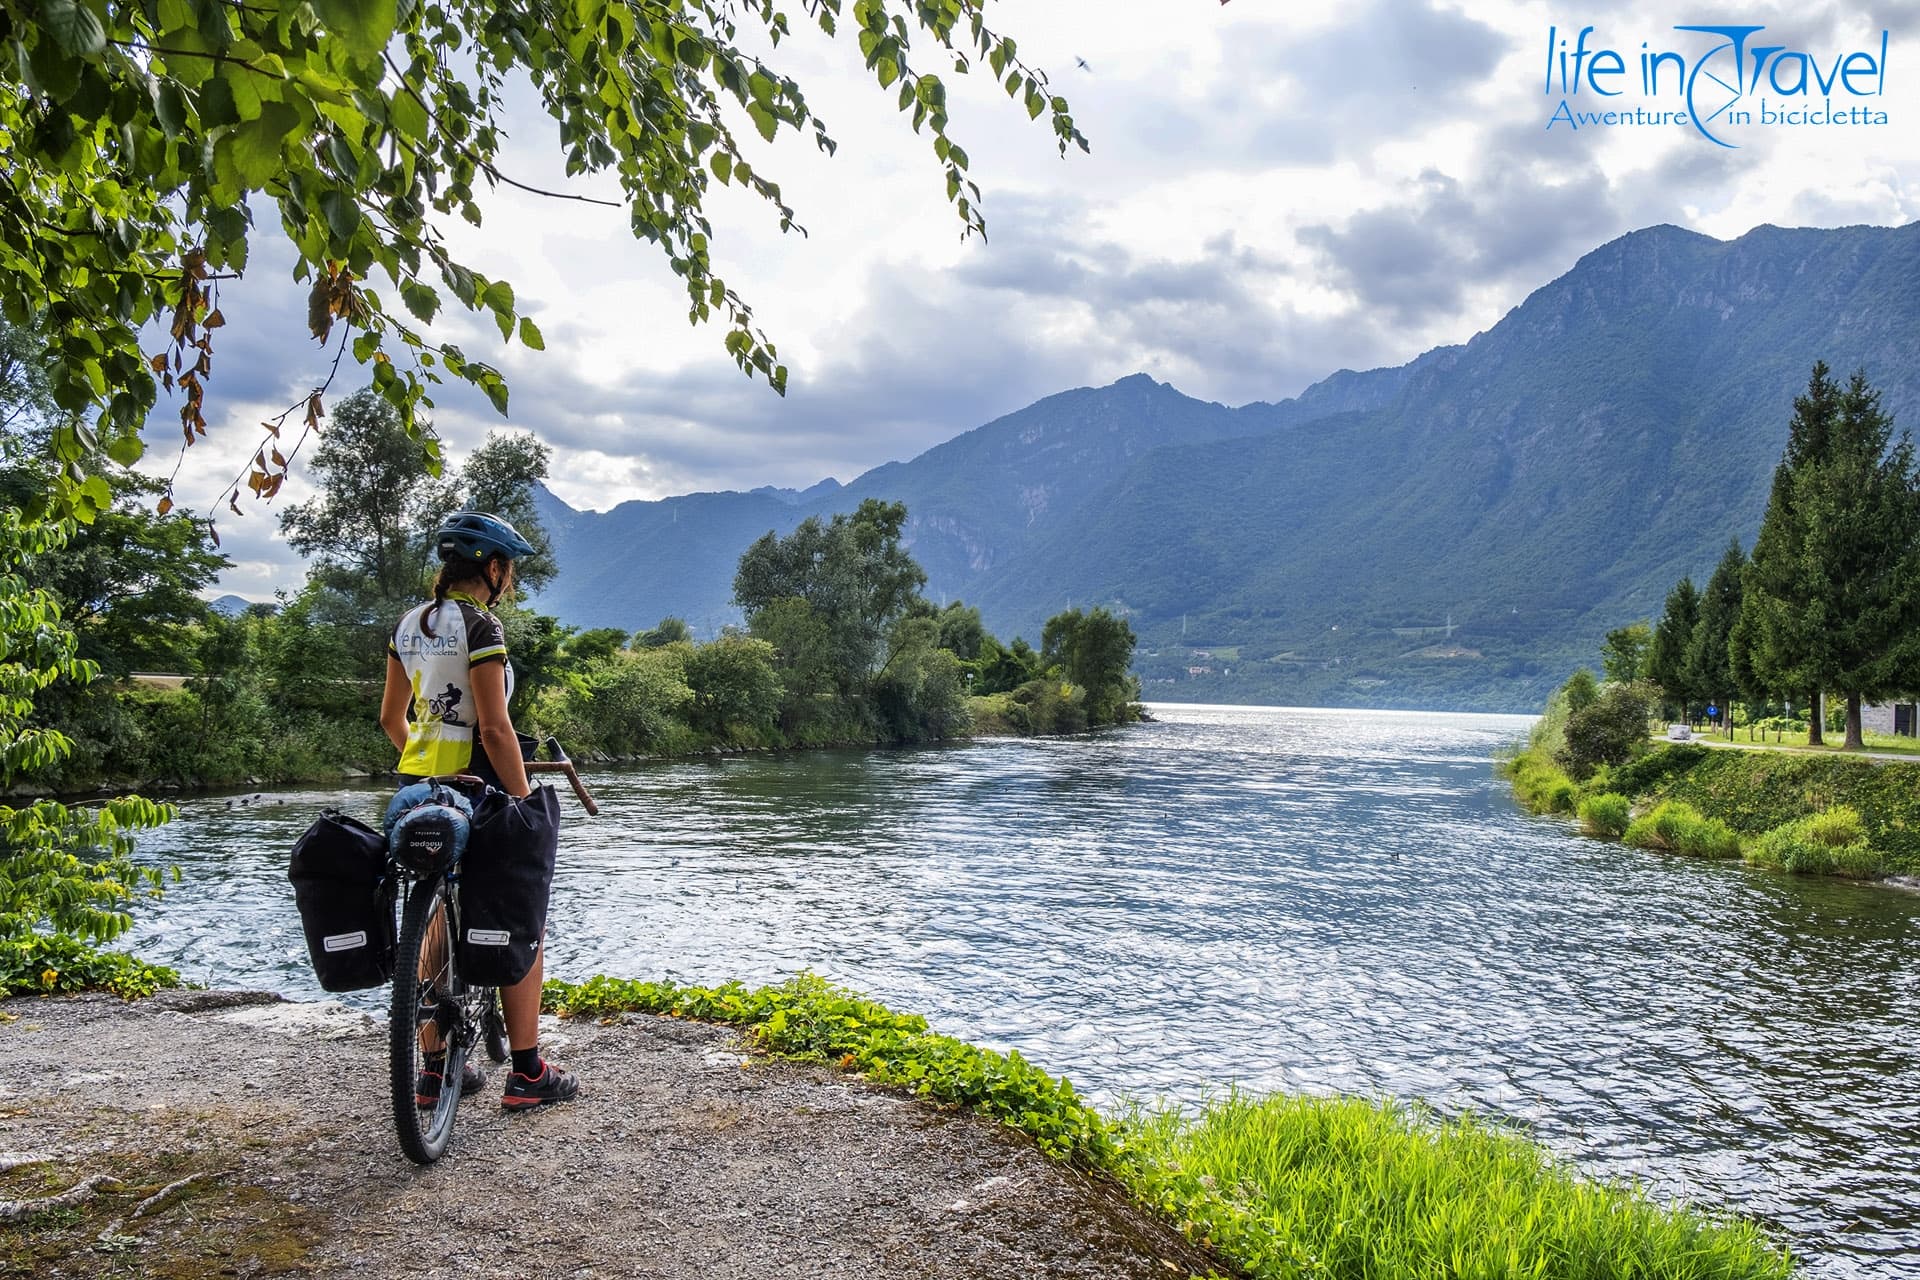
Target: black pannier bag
column 504, row 881
column 346, row 905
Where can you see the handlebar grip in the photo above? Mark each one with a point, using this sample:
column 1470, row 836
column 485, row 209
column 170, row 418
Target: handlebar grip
column 573, row 777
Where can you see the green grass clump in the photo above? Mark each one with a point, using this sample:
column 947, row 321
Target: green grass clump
column 809, row 1018
column 1343, row 1187
column 1278, row 1186
column 1606, row 814
column 1677, row 827
column 1832, row 842
column 49, row 964
column 1540, row 784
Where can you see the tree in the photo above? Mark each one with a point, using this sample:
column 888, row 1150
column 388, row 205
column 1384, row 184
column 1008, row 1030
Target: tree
column 1667, row 655
column 142, row 137
column 1834, row 584
column 501, row 477
column 962, row 633
column 595, row 644
column 1709, row 659
column 736, row 691
column 852, row 572
column 364, row 530
column 670, row 631
column 1624, row 656
column 1094, row 651
column 1581, row 689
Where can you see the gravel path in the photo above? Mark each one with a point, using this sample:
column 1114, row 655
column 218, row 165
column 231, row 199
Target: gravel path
column 685, row 1156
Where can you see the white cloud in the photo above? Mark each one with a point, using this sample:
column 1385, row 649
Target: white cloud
column 1274, row 192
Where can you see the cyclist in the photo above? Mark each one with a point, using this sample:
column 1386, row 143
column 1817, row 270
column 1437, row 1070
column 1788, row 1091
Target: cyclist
column 445, row 708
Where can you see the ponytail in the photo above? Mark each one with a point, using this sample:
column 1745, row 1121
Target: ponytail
column 455, row 571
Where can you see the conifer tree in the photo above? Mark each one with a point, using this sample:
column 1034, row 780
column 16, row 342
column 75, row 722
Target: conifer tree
column 1667, row 659
column 1709, row 657
column 1834, row 586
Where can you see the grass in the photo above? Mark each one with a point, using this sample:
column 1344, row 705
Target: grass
column 1276, row 1186
column 1345, row 1187
column 1831, row 842
column 1796, row 739
column 1605, row 814
column 1675, row 826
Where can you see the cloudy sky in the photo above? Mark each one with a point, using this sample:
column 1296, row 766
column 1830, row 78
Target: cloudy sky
column 1277, row 189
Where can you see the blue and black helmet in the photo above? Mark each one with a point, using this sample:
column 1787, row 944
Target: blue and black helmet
column 475, row 535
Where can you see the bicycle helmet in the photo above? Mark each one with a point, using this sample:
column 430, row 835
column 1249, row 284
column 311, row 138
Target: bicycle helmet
column 475, row 535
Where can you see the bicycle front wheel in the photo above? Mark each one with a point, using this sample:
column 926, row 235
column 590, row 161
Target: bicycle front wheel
column 426, row 1016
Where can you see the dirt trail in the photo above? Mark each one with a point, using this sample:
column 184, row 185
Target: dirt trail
column 686, row 1156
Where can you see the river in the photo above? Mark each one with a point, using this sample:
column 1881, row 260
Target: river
column 1286, row 899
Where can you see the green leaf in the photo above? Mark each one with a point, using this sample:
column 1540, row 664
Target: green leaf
column 73, row 27
column 342, row 214
column 407, row 116
column 365, row 25
column 763, row 120
column 530, row 334
column 498, row 297
column 722, row 166
column 170, row 109
column 255, row 145
column 496, row 390
column 126, row 450
column 422, row 300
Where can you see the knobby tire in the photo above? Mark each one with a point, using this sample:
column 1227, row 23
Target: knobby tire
column 423, row 1134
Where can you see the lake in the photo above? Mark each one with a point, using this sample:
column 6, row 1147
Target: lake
column 1283, row 899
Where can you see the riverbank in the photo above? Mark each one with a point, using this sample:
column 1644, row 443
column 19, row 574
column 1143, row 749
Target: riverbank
column 692, row 1152
column 359, row 752
column 687, row 1155
column 1754, row 794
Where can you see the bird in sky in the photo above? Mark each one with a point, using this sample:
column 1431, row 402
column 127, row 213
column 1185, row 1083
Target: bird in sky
column 1082, row 64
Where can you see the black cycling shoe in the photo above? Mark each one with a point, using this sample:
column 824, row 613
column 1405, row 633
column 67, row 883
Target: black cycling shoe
column 426, row 1089
column 552, row 1085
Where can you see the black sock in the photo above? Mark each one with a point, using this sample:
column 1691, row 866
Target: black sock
column 526, row 1062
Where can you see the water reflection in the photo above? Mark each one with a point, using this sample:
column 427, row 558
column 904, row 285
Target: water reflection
column 1288, row 899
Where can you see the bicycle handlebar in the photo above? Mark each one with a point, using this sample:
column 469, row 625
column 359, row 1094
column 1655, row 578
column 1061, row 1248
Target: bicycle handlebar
column 573, row 777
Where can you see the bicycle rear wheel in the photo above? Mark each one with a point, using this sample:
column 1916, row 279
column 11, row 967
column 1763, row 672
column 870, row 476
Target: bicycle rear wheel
column 426, row 998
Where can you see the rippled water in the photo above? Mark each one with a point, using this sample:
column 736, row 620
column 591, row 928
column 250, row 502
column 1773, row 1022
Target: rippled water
column 1301, row 900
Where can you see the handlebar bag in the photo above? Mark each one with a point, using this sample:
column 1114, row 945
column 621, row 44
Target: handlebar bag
column 505, row 879
column 338, row 870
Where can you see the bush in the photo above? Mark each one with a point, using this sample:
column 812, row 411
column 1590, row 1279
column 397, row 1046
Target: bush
column 1832, row 842
column 1606, row 814
column 1677, row 827
column 1610, row 730
column 43, row 964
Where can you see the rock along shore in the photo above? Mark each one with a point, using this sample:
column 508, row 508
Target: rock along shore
column 687, row 1155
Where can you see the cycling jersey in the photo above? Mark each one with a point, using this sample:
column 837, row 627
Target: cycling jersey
column 442, row 730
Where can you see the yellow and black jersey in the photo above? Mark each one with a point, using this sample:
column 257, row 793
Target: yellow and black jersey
column 441, row 728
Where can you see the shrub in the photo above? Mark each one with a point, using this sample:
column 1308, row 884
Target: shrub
column 1832, row 842
column 1609, row 730
column 1606, row 814
column 1677, row 827
column 45, row 964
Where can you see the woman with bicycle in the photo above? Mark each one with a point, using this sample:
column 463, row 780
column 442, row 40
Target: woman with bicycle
column 445, row 708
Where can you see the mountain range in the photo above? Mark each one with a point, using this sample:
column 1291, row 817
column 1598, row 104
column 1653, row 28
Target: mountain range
column 1456, row 532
